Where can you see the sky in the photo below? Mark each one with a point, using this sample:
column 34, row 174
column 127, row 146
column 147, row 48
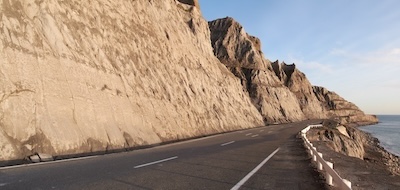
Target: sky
column 349, row 47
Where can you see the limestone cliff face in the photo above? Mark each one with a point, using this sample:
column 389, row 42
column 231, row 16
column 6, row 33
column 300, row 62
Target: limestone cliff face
column 241, row 53
column 281, row 92
column 83, row 76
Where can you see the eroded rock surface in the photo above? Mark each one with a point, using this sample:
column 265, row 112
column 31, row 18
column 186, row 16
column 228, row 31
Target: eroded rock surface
column 86, row 76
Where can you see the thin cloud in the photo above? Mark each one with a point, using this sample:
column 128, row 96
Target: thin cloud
column 389, row 57
column 311, row 66
column 395, row 51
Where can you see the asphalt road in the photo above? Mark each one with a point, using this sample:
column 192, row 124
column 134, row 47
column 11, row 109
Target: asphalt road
column 262, row 158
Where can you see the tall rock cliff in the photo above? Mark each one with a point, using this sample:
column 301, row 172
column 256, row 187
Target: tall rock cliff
column 83, row 76
column 87, row 76
column 280, row 92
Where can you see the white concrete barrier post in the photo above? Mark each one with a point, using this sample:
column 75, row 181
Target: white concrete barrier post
column 331, row 176
column 320, row 163
column 329, row 179
column 347, row 182
column 314, row 155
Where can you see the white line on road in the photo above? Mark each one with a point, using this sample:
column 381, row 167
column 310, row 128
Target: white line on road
column 262, row 130
column 248, row 134
column 227, row 143
column 3, row 184
column 247, row 177
column 49, row 162
column 156, row 162
column 254, row 136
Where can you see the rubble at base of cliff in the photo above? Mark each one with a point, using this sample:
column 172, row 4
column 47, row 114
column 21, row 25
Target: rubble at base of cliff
column 357, row 157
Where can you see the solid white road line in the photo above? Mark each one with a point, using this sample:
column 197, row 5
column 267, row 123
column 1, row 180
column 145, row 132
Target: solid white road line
column 247, row 177
column 3, row 184
column 254, row 136
column 156, row 162
column 248, row 134
column 48, row 162
column 227, row 143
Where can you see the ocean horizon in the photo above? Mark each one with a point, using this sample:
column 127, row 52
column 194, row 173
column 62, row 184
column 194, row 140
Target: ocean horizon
column 387, row 131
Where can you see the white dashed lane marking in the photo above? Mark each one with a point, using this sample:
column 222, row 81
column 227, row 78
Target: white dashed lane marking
column 227, row 143
column 248, row 176
column 156, row 162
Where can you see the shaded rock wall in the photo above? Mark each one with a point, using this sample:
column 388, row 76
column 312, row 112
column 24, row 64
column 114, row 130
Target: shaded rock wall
column 191, row 2
column 83, row 76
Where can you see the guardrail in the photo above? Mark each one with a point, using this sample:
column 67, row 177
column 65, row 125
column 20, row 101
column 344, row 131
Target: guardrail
column 331, row 176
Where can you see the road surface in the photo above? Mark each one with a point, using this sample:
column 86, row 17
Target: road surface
column 262, row 158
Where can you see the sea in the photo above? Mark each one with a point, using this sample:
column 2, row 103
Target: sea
column 387, row 131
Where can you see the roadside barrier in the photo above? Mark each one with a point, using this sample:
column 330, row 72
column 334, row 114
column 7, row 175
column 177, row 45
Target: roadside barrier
column 332, row 177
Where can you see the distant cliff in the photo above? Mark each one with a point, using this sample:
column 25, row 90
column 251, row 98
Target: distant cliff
column 87, row 76
column 279, row 91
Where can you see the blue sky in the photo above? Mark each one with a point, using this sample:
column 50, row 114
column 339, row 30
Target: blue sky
column 350, row 47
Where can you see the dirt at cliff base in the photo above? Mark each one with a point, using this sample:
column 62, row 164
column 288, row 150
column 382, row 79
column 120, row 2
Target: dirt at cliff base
column 378, row 169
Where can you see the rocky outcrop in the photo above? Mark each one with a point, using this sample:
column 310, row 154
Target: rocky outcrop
column 351, row 145
column 341, row 110
column 280, row 91
column 241, row 53
column 353, row 142
column 299, row 85
column 86, row 76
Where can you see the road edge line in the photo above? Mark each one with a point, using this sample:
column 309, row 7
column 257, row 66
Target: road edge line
column 248, row 176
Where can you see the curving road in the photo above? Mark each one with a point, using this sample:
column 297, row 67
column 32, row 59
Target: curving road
column 262, row 158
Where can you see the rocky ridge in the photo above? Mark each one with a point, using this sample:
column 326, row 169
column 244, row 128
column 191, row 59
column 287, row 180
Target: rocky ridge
column 95, row 76
column 241, row 53
column 280, row 91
